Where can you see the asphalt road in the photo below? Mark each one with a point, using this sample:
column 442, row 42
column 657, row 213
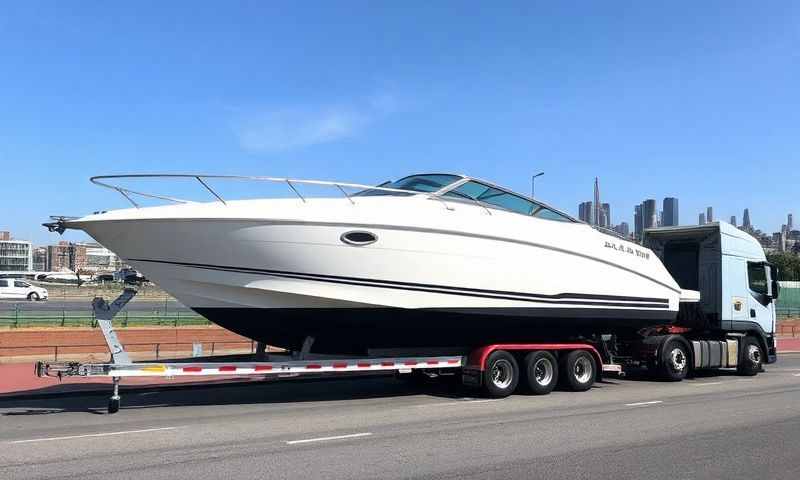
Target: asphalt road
column 709, row 427
column 85, row 305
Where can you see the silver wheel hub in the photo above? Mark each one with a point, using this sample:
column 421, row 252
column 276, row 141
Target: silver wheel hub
column 543, row 371
column 677, row 359
column 502, row 373
column 583, row 370
column 754, row 354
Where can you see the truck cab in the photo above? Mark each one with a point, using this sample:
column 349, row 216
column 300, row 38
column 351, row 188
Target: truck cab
column 727, row 266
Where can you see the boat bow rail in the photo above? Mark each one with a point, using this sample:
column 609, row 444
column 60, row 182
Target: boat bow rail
column 111, row 182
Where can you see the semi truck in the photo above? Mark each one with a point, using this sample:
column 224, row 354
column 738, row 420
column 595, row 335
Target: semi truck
column 726, row 320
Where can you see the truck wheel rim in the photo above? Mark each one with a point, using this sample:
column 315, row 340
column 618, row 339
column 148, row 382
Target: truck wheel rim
column 583, row 370
column 677, row 359
column 754, row 354
column 502, row 373
column 543, row 371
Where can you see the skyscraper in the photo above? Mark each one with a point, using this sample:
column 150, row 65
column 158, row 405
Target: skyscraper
column 789, row 224
column 746, row 220
column 670, row 215
column 598, row 214
column 623, row 229
column 649, row 214
column 606, row 216
column 701, row 219
column 733, row 220
column 585, row 212
column 709, row 214
column 637, row 221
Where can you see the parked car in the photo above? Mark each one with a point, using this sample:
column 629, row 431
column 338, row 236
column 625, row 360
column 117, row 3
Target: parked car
column 15, row 289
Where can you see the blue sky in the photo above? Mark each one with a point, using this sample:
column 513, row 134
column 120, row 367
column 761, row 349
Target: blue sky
column 697, row 100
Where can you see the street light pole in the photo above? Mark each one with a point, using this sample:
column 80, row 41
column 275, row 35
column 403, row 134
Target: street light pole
column 533, row 183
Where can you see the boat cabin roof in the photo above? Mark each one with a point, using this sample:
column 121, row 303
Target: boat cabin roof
column 473, row 190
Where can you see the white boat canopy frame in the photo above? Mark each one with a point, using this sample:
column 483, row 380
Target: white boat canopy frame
column 103, row 181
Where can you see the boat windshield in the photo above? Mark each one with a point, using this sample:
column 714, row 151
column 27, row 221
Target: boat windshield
column 427, row 183
column 487, row 194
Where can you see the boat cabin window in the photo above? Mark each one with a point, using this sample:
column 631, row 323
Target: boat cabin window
column 418, row 183
column 493, row 196
column 547, row 214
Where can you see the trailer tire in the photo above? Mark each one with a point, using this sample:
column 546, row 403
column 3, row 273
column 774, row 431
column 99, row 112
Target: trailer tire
column 501, row 375
column 752, row 357
column 113, row 406
column 541, row 369
column 674, row 365
column 578, row 370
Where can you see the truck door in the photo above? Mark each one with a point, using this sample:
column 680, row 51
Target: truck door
column 5, row 292
column 761, row 308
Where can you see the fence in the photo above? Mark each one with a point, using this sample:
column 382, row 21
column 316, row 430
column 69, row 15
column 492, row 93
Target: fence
column 788, row 305
column 21, row 318
column 156, row 348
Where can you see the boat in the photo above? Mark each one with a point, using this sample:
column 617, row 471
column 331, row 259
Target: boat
column 430, row 260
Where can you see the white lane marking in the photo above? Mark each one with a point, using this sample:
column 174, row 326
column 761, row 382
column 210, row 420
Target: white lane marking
column 702, row 384
column 638, row 404
column 461, row 402
column 324, row 439
column 796, row 375
column 50, row 439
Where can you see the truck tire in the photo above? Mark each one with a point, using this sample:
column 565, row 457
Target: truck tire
column 501, row 376
column 541, row 371
column 752, row 357
column 578, row 370
column 33, row 297
column 674, row 365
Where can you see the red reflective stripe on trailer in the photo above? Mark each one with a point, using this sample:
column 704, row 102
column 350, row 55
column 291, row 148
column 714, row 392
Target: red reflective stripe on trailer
column 261, row 368
column 433, row 362
column 364, row 365
column 192, row 369
column 339, row 365
column 387, row 364
column 313, row 366
column 411, row 362
column 452, row 361
column 227, row 368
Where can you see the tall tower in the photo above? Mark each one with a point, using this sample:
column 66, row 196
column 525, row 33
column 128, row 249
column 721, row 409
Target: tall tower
column 701, row 219
column 746, row 219
column 606, row 215
column 789, row 224
column 733, row 220
column 637, row 221
column 598, row 214
column 709, row 214
column 670, row 215
column 649, row 214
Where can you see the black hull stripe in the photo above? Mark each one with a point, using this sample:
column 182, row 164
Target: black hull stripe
column 577, row 299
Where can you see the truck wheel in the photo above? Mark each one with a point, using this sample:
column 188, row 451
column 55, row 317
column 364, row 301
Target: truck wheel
column 542, row 372
column 674, row 361
column 501, row 375
column 578, row 370
column 33, row 297
column 752, row 357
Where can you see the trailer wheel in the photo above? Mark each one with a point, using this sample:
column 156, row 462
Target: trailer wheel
column 501, row 375
column 578, row 370
column 674, row 361
column 752, row 357
column 542, row 372
column 113, row 406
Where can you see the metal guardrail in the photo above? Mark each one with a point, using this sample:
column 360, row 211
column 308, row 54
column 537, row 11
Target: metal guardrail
column 20, row 318
column 157, row 347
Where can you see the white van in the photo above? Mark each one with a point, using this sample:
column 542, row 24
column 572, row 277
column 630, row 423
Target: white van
column 16, row 289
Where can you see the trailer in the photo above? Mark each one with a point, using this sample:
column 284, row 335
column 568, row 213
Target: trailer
column 726, row 320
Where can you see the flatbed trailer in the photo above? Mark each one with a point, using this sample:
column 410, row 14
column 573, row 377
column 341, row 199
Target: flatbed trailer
column 494, row 367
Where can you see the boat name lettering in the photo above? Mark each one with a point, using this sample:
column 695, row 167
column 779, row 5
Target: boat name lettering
column 627, row 249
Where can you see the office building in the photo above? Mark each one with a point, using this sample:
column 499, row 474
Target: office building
column 606, row 215
column 789, row 223
column 623, row 229
column 701, row 219
column 39, row 259
column 733, row 220
column 709, row 215
column 649, row 214
column 15, row 255
column 670, row 212
column 585, row 213
column 746, row 220
column 66, row 256
column 637, row 221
